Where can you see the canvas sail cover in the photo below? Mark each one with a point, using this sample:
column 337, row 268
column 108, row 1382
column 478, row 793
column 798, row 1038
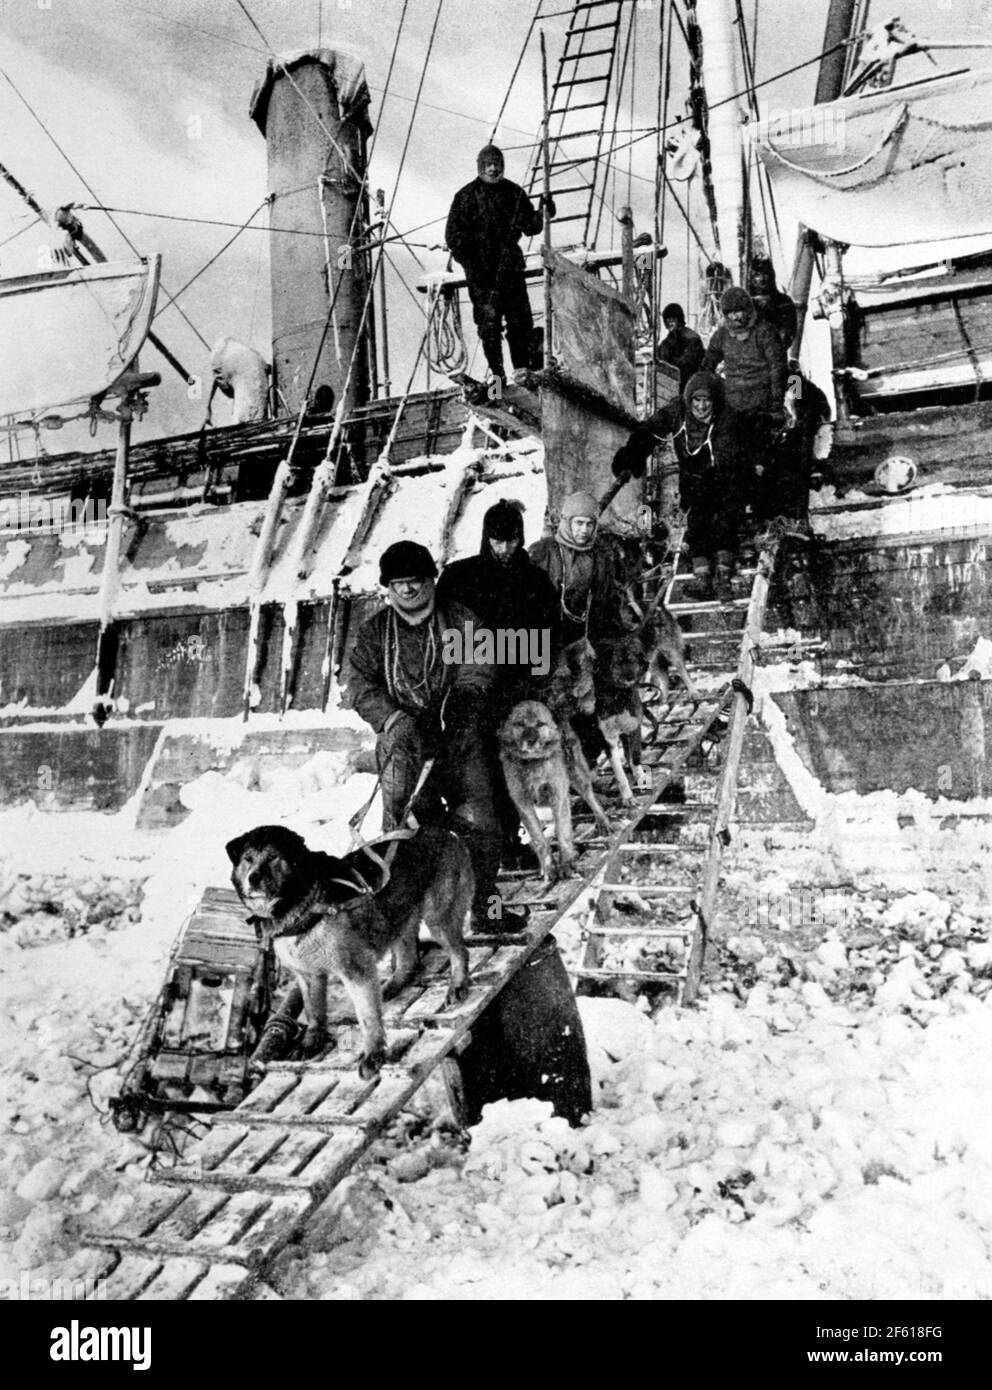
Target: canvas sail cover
column 908, row 164
column 593, row 341
column 69, row 334
column 348, row 74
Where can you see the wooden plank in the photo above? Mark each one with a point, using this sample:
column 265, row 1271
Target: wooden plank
column 151, row 1207
column 655, row 933
column 599, row 972
column 273, row 1088
column 391, row 1093
column 430, row 1003
column 132, row 1274
column 276, row 1123
column 349, row 1093
column 295, row 1151
column 197, row 1208
column 394, row 1009
column 212, row 1150
column 331, row 1163
column 252, row 1153
column 277, row 1225
column 311, row 1089
column 221, row 1282
column 228, row 1223
column 175, row 1280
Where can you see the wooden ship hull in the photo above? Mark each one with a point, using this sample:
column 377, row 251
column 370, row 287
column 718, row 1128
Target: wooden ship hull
column 204, row 628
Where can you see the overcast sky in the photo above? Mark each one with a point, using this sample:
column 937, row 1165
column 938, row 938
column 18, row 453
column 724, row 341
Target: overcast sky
column 150, row 102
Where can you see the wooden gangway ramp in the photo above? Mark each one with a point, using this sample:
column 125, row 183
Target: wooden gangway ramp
column 657, row 895
column 211, row 1226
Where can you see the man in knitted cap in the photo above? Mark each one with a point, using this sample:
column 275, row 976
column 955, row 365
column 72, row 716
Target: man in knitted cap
column 712, row 477
column 486, row 221
column 504, row 590
column 509, row 595
column 770, row 303
column 754, row 361
column 755, row 378
column 582, row 571
column 682, row 348
column 422, row 705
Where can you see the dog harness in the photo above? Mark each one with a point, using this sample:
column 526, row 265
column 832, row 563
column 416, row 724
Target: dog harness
column 304, row 915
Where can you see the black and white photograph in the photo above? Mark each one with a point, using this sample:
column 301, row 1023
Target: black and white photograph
column 496, row 659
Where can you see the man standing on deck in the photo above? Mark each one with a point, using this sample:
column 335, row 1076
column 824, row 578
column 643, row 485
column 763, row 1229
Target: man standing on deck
column 486, row 221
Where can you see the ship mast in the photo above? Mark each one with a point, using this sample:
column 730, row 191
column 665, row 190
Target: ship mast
column 829, row 86
column 722, row 79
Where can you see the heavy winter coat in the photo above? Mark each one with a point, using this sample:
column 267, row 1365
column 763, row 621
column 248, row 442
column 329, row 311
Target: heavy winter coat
column 513, row 595
column 409, row 675
column 755, row 368
column 580, row 588
column 485, row 225
column 682, row 349
column 714, row 478
column 778, row 310
column 698, row 447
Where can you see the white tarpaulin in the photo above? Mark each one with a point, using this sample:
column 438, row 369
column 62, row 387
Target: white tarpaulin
column 69, row 334
column 909, row 164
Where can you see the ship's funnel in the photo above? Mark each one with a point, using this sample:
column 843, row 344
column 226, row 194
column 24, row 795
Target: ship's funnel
column 312, row 108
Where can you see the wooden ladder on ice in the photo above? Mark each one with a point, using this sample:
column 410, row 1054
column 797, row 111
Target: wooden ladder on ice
column 658, row 893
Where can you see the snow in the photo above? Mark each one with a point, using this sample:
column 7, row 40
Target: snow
column 815, row 1128
column 515, row 472
column 934, row 507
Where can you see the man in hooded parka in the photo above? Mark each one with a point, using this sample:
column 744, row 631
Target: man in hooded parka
column 583, row 572
column 486, row 221
column 713, row 478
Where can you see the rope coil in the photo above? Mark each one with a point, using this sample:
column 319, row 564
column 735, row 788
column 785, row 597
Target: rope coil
column 446, row 350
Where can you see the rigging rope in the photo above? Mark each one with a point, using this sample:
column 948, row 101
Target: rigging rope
column 26, row 228
column 341, row 153
column 216, row 257
column 91, row 190
column 389, row 74
column 254, row 293
column 446, row 351
column 616, row 113
column 513, row 75
column 396, row 271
